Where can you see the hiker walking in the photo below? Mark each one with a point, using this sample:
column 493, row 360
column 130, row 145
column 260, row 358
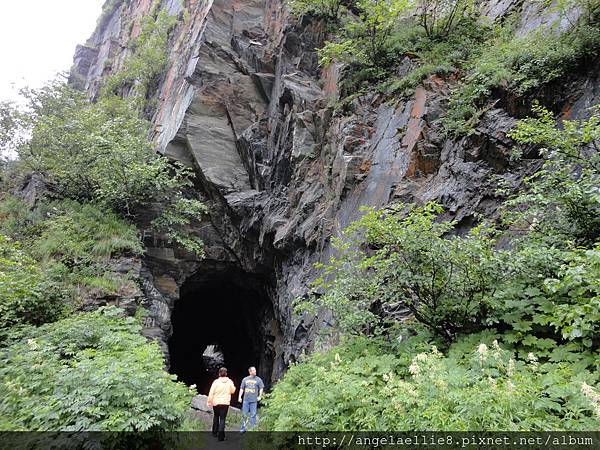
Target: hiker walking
column 251, row 389
column 219, row 398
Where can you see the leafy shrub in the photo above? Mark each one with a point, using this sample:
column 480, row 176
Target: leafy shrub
column 77, row 233
column 431, row 56
column 91, row 371
column 518, row 65
column 541, row 308
column 178, row 215
column 17, row 219
column 390, row 259
column 366, row 384
column 440, row 17
column 96, row 151
column 576, row 295
column 74, row 246
column 377, row 54
column 328, row 9
column 26, row 294
column 562, row 199
column 362, row 40
column 100, row 153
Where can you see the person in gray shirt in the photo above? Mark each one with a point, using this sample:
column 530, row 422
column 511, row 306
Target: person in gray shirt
column 251, row 390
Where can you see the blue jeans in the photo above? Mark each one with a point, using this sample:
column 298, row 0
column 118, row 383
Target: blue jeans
column 248, row 409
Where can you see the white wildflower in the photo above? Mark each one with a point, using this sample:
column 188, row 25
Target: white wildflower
column 511, row 367
column 414, row 369
column 593, row 396
column 532, row 359
column 421, row 357
column 483, row 351
column 587, row 390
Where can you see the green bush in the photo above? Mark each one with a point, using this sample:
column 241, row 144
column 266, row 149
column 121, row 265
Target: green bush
column 365, row 384
column 17, row 219
column 75, row 244
column 27, row 296
column 363, row 39
column 393, row 258
column 327, row 9
column 576, row 295
column 433, row 56
column 77, row 233
column 560, row 201
column 100, row 153
column 91, row 371
column 95, row 151
column 175, row 217
column 519, row 66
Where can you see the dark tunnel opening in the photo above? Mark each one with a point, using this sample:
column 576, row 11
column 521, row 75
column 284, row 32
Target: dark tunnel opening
column 230, row 310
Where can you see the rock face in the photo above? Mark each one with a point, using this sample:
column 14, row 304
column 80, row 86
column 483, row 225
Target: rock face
column 245, row 104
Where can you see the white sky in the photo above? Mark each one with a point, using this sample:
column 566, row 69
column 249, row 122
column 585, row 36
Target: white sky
column 38, row 39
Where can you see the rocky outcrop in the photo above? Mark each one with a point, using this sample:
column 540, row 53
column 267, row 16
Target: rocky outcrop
column 245, row 104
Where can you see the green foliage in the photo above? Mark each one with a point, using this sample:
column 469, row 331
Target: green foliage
column 562, row 199
column 450, row 37
column 26, row 295
column 8, row 123
column 362, row 40
column 541, row 308
column 17, row 219
column 553, row 291
column 175, row 217
column 100, row 153
column 328, row 9
column 76, row 244
column 576, row 295
column 389, row 259
column 95, row 151
column 429, row 44
column 439, row 18
column 433, row 56
column 147, row 59
column 518, row 65
column 78, row 233
column 91, row 371
column 72, row 244
column 365, row 384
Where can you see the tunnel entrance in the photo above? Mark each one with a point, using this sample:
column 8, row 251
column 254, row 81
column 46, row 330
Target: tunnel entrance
column 223, row 317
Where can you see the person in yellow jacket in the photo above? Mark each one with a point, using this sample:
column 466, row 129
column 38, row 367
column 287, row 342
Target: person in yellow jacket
column 219, row 397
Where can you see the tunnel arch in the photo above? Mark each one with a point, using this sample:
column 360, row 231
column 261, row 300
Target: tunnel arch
column 231, row 310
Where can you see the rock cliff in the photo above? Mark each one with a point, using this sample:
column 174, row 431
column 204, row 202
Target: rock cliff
column 244, row 102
